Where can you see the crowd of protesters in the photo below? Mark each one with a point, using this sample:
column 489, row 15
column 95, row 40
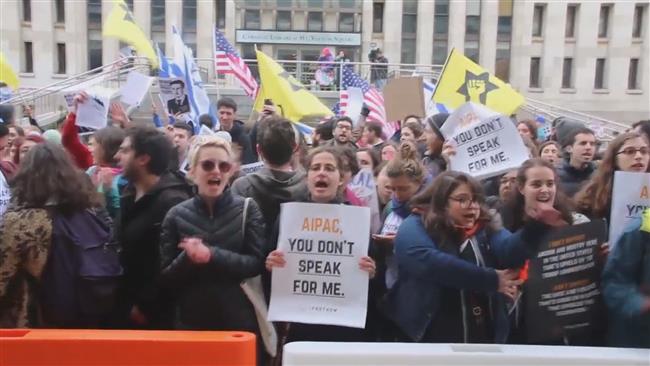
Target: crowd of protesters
column 154, row 228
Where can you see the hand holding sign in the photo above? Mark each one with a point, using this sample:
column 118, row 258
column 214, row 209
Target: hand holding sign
column 275, row 259
column 508, row 282
column 544, row 212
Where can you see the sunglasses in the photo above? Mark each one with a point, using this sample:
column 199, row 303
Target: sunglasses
column 210, row 165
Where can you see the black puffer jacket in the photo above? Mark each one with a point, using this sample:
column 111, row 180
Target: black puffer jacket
column 572, row 179
column 209, row 296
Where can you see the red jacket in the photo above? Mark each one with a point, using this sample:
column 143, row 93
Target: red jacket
column 70, row 140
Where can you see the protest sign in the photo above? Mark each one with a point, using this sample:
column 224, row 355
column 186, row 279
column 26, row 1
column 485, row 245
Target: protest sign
column 354, row 104
column 563, row 288
column 321, row 282
column 363, row 186
column 174, row 95
column 251, row 168
column 630, row 196
column 404, row 96
column 136, row 87
column 69, row 100
column 485, row 147
column 94, row 112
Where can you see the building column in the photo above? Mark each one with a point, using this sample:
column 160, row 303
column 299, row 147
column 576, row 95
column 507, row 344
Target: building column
column 393, row 31
column 43, row 44
column 173, row 17
column 584, row 64
column 10, row 28
column 488, row 34
column 205, row 26
column 618, row 63
column 424, row 40
column 522, row 15
column 142, row 14
column 231, row 21
column 553, row 48
column 110, row 46
column 457, row 25
column 366, row 28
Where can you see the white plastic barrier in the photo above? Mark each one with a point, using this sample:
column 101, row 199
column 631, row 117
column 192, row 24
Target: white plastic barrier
column 407, row 354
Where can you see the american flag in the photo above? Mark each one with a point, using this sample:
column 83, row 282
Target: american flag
column 227, row 61
column 371, row 96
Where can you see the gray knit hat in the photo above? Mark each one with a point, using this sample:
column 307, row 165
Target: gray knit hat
column 564, row 128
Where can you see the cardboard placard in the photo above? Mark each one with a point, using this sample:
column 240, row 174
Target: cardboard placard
column 404, row 96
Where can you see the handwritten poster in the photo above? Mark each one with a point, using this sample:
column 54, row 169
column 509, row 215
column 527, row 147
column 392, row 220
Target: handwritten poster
column 485, row 147
column 321, row 282
column 630, row 197
column 563, row 289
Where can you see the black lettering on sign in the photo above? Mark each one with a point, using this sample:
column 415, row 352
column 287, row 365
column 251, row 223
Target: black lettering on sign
column 332, row 289
column 498, row 158
column 304, row 287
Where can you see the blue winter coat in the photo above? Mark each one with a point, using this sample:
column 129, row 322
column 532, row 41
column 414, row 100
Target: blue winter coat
column 626, row 271
column 424, row 270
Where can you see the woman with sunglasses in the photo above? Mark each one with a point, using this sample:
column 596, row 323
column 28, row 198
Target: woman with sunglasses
column 204, row 253
column 628, row 152
column 456, row 264
column 324, row 177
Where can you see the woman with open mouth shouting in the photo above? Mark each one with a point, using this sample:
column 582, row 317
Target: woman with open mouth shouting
column 205, row 255
column 456, row 266
column 324, row 178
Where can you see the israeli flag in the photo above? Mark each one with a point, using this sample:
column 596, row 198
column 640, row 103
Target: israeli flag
column 431, row 107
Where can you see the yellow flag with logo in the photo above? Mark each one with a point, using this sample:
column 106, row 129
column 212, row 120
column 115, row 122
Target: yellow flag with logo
column 463, row 81
column 7, row 74
column 121, row 25
column 291, row 98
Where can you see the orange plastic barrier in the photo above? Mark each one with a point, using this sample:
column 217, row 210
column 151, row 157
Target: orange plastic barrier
column 49, row 347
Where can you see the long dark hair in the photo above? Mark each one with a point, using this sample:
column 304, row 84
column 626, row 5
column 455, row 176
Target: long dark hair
column 110, row 139
column 514, row 209
column 47, row 177
column 434, row 201
column 595, row 199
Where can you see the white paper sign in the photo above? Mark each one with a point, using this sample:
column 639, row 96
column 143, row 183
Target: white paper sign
column 94, row 112
column 321, row 282
column 173, row 93
column 252, row 167
column 484, row 147
column 136, row 87
column 355, row 104
column 363, row 186
column 69, row 100
column 630, row 196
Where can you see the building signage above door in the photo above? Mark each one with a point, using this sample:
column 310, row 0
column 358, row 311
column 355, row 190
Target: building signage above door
column 309, row 38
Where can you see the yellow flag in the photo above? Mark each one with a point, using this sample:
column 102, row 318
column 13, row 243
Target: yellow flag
column 288, row 94
column 464, row 81
column 7, row 74
column 121, row 25
column 645, row 223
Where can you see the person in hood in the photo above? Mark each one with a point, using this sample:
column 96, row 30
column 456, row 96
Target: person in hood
column 144, row 156
column 578, row 166
column 277, row 182
column 227, row 108
column 433, row 160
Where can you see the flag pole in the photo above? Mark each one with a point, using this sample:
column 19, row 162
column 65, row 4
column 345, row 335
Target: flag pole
column 214, row 60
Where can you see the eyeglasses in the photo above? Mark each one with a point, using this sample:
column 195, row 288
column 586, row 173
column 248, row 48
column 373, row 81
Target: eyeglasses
column 344, row 126
column 465, row 202
column 631, row 151
column 209, row 165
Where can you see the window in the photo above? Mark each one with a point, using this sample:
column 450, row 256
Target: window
column 378, row 17
column 346, row 22
column 637, row 27
column 94, row 8
column 95, row 52
column 221, row 13
column 60, row 58
column 567, row 73
column 603, row 21
column 27, row 10
column 283, row 20
column 59, row 7
column 347, row 4
column 315, row 3
column 538, row 20
column 571, row 14
column 28, row 66
column 504, row 35
column 408, row 51
column 632, row 76
column 534, row 72
column 251, row 19
column 599, row 80
column 189, row 24
column 440, row 32
column 472, row 30
column 315, row 21
column 281, row 3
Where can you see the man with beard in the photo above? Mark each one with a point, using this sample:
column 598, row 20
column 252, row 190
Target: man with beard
column 144, row 157
column 343, row 134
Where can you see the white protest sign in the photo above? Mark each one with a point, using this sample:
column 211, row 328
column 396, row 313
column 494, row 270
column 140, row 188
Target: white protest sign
column 321, row 282
column 355, row 104
column 136, row 87
column 251, row 168
column 630, row 196
column 69, row 100
column 363, row 186
column 484, row 147
column 94, row 112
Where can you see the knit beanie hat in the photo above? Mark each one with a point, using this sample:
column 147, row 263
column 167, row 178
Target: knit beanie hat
column 53, row 136
column 436, row 121
column 564, row 128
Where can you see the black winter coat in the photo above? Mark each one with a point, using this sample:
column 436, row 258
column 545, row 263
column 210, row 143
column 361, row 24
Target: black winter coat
column 572, row 179
column 209, row 296
column 137, row 229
